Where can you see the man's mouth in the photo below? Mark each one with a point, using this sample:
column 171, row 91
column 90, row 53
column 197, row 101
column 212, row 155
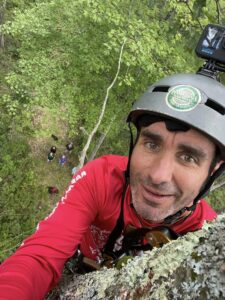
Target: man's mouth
column 155, row 197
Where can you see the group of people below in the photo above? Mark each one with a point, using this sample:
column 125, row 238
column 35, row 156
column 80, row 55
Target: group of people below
column 62, row 159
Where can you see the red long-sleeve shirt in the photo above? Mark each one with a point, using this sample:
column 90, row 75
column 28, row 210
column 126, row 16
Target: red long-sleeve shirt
column 85, row 215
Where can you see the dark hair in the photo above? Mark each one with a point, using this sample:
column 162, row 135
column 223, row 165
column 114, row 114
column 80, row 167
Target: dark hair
column 171, row 124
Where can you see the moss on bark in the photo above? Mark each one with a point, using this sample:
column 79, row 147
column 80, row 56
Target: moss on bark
column 192, row 267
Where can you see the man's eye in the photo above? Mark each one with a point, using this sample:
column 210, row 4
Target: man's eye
column 152, row 146
column 188, row 158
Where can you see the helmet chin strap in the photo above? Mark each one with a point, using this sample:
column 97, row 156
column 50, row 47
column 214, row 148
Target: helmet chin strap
column 178, row 215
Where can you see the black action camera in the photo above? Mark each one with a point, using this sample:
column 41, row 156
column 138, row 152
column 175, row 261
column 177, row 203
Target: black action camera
column 211, row 46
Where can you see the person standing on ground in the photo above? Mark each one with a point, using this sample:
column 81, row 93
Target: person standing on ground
column 53, row 190
column 62, row 160
column 74, row 170
column 69, row 147
column 51, row 156
column 53, row 149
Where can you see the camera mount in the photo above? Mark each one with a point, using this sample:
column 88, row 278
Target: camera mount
column 211, row 46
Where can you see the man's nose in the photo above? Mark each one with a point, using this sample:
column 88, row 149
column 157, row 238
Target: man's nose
column 162, row 169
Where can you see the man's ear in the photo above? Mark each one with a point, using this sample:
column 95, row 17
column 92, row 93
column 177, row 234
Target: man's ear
column 218, row 164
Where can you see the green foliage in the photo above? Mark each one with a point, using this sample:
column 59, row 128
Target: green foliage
column 15, row 205
column 23, row 191
column 69, row 53
column 216, row 197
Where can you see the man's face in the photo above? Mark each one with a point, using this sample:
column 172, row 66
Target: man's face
column 168, row 169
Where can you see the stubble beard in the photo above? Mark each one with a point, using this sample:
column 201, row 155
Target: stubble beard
column 148, row 213
column 153, row 214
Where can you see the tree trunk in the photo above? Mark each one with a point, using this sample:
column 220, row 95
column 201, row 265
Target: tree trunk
column 84, row 151
column 218, row 185
column 191, row 267
column 100, row 140
column 2, row 15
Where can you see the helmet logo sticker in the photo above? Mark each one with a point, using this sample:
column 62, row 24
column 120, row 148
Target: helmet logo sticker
column 183, row 97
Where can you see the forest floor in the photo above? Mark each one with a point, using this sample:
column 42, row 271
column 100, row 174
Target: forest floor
column 20, row 220
column 48, row 123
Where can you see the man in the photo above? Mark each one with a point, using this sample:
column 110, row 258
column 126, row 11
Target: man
column 51, row 156
column 69, row 147
column 62, row 160
column 178, row 153
column 53, row 190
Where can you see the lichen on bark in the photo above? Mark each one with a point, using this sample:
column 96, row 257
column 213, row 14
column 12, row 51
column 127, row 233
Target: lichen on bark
column 191, row 267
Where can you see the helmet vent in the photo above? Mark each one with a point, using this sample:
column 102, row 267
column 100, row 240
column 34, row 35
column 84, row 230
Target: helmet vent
column 217, row 107
column 161, row 88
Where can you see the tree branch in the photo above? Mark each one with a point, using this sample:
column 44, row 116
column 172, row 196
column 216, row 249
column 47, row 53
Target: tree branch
column 84, row 151
column 218, row 11
column 217, row 186
column 2, row 14
column 101, row 140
